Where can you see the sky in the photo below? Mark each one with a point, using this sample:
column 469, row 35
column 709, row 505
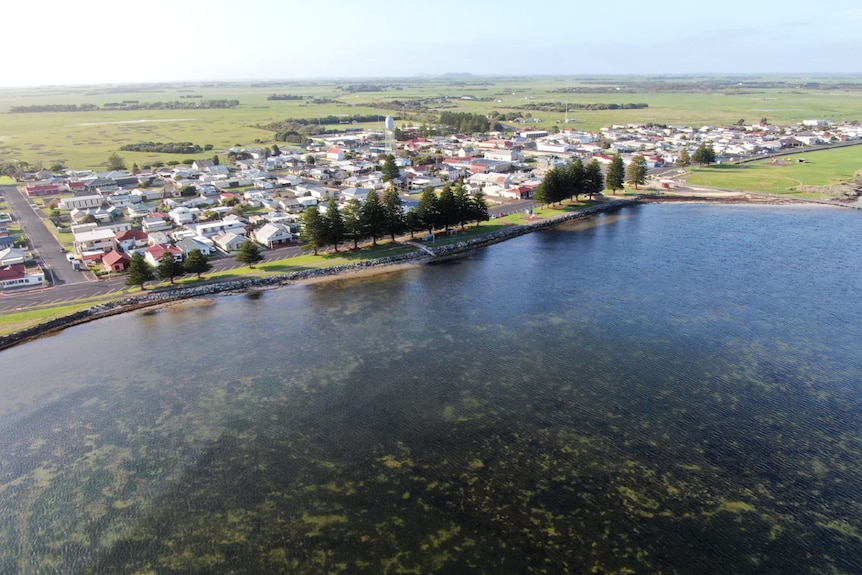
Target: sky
column 49, row 42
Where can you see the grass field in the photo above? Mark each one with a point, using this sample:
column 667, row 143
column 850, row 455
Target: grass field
column 85, row 139
column 784, row 175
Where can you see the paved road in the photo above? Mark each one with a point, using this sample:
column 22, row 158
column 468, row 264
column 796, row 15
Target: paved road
column 45, row 247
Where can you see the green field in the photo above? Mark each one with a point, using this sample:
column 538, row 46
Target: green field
column 84, row 139
column 821, row 173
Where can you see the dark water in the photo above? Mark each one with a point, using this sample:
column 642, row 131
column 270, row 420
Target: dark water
column 670, row 389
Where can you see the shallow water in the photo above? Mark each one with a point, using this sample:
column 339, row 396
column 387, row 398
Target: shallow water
column 671, row 388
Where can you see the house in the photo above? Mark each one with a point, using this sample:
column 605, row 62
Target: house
column 34, row 190
column 94, row 242
column 9, row 256
column 230, row 241
column 335, row 154
column 156, row 222
column 81, row 202
column 191, row 243
column 354, row 193
column 212, row 229
column 272, row 235
column 16, row 276
column 154, row 254
column 181, row 215
column 130, row 240
column 116, row 261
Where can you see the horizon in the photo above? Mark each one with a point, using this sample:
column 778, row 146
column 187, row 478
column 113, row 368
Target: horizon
column 91, row 43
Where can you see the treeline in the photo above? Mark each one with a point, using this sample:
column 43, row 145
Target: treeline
column 569, row 182
column 558, row 107
column 376, row 217
column 284, row 97
column 202, row 105
column 415, row 105
column 465, row 122
column 166, row 147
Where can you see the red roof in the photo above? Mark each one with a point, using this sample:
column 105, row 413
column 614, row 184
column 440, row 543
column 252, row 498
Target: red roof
column 114, row 257
column 131, row 235
column 12, row 272
column 159, row 250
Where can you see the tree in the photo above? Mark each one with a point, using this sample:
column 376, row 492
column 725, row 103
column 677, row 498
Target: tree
column 637, row 170
column 447, row 208
column 552, row 188
column 394, row 212
column 684, row 158
column 616, row 174
column 373, row 217
column 576, row 178
column 353, row 221
column 334, row 223
column 704, row 154
column 413, row 221
column 427, row 209
column 594, row 179
column 313, row 230
column 197, row 263
column 479, row 209
column 390, row 169
column 115, row 162
column 276, row 151
column 249, row 253
column 215, row 160
column 309, row 159
column 463, row 205
column 169, row 267
column 140, row 271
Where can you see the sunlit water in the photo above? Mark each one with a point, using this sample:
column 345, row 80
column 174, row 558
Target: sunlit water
column 668, row 389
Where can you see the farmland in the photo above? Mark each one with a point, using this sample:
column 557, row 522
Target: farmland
column 84, row 139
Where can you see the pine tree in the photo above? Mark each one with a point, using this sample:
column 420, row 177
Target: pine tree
column 390, row 169
column 616, row 174
column 394, row 212
column 427, row 209
column 249, row 253
column 479, row 211
column 140, row 271
column 704, row 154
column 637, row 171
column 313, row 231
column 576, row 178
column 684, row 159
column 463, row 205
column 373, row 217
column 594, row 179
column 169, row 267
column 447, row 208
column 197, row 263
column 353, row 221
column 334, row 223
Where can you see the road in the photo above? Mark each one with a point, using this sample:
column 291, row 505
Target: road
column 45, row 247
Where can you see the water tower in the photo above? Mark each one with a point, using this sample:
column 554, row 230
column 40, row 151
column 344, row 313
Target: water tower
column 389, row 135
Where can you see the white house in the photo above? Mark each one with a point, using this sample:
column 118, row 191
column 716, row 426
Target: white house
column 213, row 229
column 229, row 241
column 95, row 240
column 272, row 235
column 81, row 202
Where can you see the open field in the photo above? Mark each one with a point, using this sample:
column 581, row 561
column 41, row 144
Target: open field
column 83, row 139
column 783, row 175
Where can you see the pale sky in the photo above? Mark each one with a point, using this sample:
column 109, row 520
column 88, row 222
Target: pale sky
column 110, row 41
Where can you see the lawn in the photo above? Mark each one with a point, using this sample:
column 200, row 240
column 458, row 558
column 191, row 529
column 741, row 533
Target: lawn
column 783, row 175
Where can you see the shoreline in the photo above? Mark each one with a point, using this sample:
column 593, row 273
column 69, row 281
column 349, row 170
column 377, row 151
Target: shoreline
column 166, row 297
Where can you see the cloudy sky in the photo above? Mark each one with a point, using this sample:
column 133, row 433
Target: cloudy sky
column 105, row 41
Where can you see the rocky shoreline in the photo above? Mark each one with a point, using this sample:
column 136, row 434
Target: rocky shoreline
column 165, row 296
